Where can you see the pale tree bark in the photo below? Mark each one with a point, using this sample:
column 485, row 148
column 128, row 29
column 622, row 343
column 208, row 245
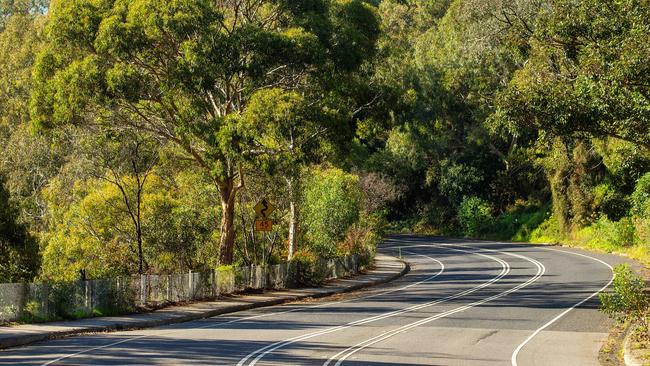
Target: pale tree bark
column 293, row 229
column 293, row 219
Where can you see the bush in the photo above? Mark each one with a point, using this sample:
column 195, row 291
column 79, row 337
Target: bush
column 363, row 237
column 641, row 197
column 308, row 271
column 332, row 203
column 518, row 223
column 548, row 231
column 614, row 233
column 610, row 202
column 474, row 215
column 628, row 301
column 640, row 200
column 456, row 179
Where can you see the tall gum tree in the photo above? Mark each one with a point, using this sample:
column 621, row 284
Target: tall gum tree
column 293, row 132
column 184, row 70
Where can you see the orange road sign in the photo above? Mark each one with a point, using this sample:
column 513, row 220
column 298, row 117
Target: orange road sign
column 263, row 225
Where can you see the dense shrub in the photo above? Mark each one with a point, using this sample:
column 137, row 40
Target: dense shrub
column 641, row 197
column 610, row 202
column 613, row 234
column 628, row 301
column 363, row 237
column 95, row 233
column 641, row 208
column 331, row 204
column 474, row 215
column 518, row 223
column 308, row 270
column 458, row 179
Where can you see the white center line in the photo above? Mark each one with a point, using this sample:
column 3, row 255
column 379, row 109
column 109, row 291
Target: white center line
column 264, row 351
column 343, row 355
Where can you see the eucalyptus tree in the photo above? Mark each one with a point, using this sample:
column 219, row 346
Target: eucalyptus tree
column 293, row 132
column 184, row 70
column 587, row 74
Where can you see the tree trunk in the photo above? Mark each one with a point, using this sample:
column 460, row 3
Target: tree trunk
column 227, row 192
column 140, row 254
column 293, row 216
column 293, row 228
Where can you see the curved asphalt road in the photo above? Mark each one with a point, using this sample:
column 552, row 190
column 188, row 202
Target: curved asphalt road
column 463, row 303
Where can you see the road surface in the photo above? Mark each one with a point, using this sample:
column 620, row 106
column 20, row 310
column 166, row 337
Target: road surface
column 463, row 303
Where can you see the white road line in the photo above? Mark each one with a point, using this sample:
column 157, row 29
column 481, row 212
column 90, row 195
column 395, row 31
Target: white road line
column 513, row 359
column 302, row 308
column 262, row 352
column 343, row 355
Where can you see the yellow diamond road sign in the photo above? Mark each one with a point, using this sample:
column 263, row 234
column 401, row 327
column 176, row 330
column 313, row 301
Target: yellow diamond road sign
column 264, row 208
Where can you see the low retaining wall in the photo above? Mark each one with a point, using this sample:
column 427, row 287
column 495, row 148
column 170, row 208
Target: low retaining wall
column 49, row 301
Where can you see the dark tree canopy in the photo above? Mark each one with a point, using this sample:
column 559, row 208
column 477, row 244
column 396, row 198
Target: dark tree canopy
column 588, row 73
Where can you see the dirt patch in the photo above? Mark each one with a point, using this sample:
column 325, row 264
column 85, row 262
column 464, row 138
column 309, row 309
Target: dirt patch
column 611, row 353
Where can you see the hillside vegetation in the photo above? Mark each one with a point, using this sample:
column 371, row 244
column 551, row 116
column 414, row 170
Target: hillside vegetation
column 137, row 136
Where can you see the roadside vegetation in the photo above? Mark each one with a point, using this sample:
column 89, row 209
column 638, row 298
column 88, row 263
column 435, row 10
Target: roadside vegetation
column 137, row 136
column 629, row 305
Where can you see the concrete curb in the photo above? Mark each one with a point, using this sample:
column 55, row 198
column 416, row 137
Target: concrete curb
column 628, row 355
column 22, row 340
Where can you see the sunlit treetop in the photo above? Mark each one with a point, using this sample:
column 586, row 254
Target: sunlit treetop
column 184, row 69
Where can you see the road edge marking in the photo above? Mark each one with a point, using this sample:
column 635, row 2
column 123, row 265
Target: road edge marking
column 515, row 353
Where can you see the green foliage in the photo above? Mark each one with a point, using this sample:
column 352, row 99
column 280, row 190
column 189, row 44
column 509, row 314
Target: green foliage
column 517, row 223
column 18, row 249
column 32, row 313
column 474, row 216
column 610, row 202
column 94, row 233
column 331, row 204
column 628, row 301
column 585, row 74
column 309, row 272
column 458, row 180
column 186, row 71
column 614, row 234
column 626, row 162
column 539, row 108
column 641, row 208
column 187, row 52
column 572, row 182
column 641, row 197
